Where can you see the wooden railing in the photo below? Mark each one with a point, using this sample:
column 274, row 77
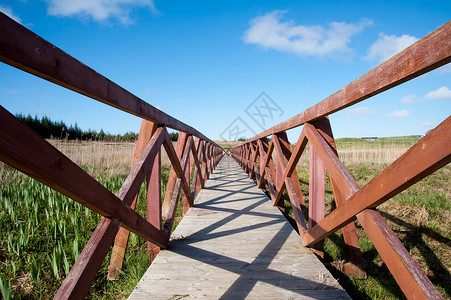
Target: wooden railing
column 195, row 156
column 273, row 166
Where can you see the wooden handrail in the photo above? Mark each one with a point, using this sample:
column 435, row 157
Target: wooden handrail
column 277, row 171
column 431, row 52
column 23, row 49
column 25, row 150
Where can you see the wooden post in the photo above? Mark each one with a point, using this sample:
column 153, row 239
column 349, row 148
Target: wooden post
column 154, row 202
column 316, row 195
column 121, row 241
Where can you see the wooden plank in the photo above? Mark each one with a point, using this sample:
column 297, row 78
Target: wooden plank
column 432, row 51
column 198, row 172
column 173, row 157
column 78, row 282
column 232, row 246
column 153, row 201
column 295, row 198
column 263, row 182
column 343, row 179
column 82, row 274
column 291, row 165
column 171, row 208
column 317, row 194
column 173, row 175
column 23, row 149
column 120, row 244
column 355, row 266
column 409, row 276
column 188, row 170
column 268, row 149
column 428, row 155
column 23, row 49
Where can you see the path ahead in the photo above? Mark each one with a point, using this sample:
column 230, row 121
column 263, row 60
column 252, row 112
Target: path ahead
column 234, row 244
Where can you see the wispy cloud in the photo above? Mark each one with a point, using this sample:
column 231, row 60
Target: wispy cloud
column 399, row 113
column 11, row 91
column 359, row 111
column 427, row 124
column 99, row 10
column 388, row 45
column 440, row 93
column 270, row 32
column 408, row 99
column 9, row 12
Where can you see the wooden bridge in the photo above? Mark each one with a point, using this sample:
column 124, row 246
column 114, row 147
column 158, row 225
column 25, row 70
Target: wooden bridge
column 235, row 244
column 233, row 241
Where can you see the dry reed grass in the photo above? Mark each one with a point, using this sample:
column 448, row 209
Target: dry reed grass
column 101, row 158
column 355, row 153
column 362, row 154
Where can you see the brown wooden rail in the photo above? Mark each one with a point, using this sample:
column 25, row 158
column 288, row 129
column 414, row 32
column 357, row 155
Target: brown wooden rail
column 273, row 166
column 26, row 151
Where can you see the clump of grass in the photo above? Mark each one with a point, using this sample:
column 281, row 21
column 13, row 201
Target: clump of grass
column 421, row 218
column 42, row 232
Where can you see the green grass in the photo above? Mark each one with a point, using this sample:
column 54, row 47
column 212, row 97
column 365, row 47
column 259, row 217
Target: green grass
column 42, row 232
column 419, row 216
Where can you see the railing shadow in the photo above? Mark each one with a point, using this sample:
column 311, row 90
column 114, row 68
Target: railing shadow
column 258, row 271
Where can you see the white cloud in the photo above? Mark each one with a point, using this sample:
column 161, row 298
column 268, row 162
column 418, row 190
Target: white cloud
column 9, row 12
column 98, row 10
column 359, row 111
column 388, row 45
column 11, row 91
column 270, row 32
column 399, row 113
column 407, row 99
column 427, row 124
column 441, row 93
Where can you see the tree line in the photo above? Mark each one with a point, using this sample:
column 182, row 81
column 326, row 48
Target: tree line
column 49, row 129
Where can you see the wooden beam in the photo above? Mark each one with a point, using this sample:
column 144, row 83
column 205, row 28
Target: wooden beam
column 317, row 194
column 23, row 49
column 428, row 155
column 355, row 266
column 153, row 201
column 82, row 274
column 431, row 52
column 171, row 208
column 25, row 150
column 290, row 182
column 409, row 276
column 120, row 244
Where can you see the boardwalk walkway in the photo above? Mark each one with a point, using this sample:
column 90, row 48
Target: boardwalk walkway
column 232, row 245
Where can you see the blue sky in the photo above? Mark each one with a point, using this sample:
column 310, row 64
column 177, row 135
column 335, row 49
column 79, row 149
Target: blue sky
column 207, row 63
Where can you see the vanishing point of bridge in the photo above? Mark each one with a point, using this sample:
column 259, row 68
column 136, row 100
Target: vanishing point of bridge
column 235, row 244
column 233, row 241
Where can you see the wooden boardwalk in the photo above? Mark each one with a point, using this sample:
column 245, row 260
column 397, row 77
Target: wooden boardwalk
column 234, row 244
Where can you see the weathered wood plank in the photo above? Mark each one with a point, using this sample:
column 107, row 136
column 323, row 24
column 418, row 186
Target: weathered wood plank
column 235, row 244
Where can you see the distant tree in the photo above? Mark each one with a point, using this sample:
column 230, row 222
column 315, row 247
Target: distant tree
column 47, row 128
column 241, row 139
column 174, row 136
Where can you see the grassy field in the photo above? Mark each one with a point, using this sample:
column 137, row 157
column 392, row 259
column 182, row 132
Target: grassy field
column 420, row 216
column 42, row 232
